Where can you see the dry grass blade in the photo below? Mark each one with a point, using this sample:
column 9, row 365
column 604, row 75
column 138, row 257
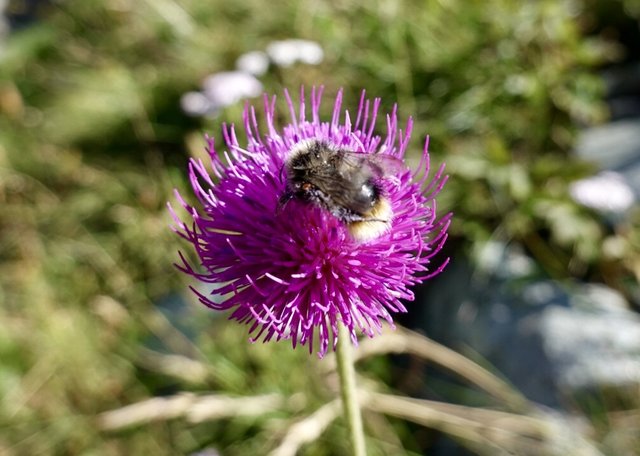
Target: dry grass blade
column 307, row 430
column 177, row 366
column 409, row 342
column 519, row 434
column 194, row 409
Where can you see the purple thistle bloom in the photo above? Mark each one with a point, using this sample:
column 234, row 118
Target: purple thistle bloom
column 294, row 271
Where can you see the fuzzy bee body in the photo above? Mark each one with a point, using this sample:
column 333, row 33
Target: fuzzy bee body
column 344, row 183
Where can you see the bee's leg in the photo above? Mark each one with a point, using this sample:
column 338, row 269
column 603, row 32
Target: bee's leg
column 283, row 200
column 373, row 219
column 352, row 217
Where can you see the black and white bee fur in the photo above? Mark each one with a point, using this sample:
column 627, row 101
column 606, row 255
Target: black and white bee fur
column 347, row 184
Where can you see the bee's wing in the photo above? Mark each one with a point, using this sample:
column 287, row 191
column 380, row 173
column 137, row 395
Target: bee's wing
column 356, row 171
column 380, row 164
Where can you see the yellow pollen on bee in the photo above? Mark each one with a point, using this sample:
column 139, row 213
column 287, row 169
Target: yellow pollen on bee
column 379, row 224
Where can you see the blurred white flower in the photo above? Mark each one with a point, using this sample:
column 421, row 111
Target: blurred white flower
column 287, row 52
column 227, row 88
column 195, row 104
column 607, row 191
column 254, row 62
column 219, row 91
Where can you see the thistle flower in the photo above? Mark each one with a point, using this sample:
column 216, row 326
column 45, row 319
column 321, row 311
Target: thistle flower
column 294, row 271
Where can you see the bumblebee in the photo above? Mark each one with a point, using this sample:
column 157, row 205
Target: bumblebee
column 347, row 184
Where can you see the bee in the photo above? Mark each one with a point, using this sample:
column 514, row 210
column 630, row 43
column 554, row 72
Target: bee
column 346, row 184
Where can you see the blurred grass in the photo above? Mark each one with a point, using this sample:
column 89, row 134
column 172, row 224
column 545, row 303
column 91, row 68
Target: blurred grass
column 92, row 142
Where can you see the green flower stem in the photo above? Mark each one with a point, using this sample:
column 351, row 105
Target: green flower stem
column 348, row 391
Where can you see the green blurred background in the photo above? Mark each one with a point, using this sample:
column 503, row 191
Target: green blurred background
column 93, row 141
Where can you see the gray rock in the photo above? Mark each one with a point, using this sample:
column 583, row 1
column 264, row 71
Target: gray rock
column 592, row 350
column 622, row 83
column 555, row 342
column 616, row 147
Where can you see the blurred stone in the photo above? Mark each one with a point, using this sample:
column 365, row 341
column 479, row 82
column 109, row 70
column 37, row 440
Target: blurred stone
column 607, row 191
column 614, row 147
column 554, row 342
column 593, row 350
column 624, row 107
column 622, row 84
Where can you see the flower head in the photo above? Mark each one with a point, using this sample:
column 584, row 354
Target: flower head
column 295, row 270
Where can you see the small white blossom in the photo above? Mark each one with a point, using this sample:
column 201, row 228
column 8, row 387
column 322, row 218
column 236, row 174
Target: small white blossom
column 227, row 88
column 195, row 104
column 287, row 52
column 254, row 62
